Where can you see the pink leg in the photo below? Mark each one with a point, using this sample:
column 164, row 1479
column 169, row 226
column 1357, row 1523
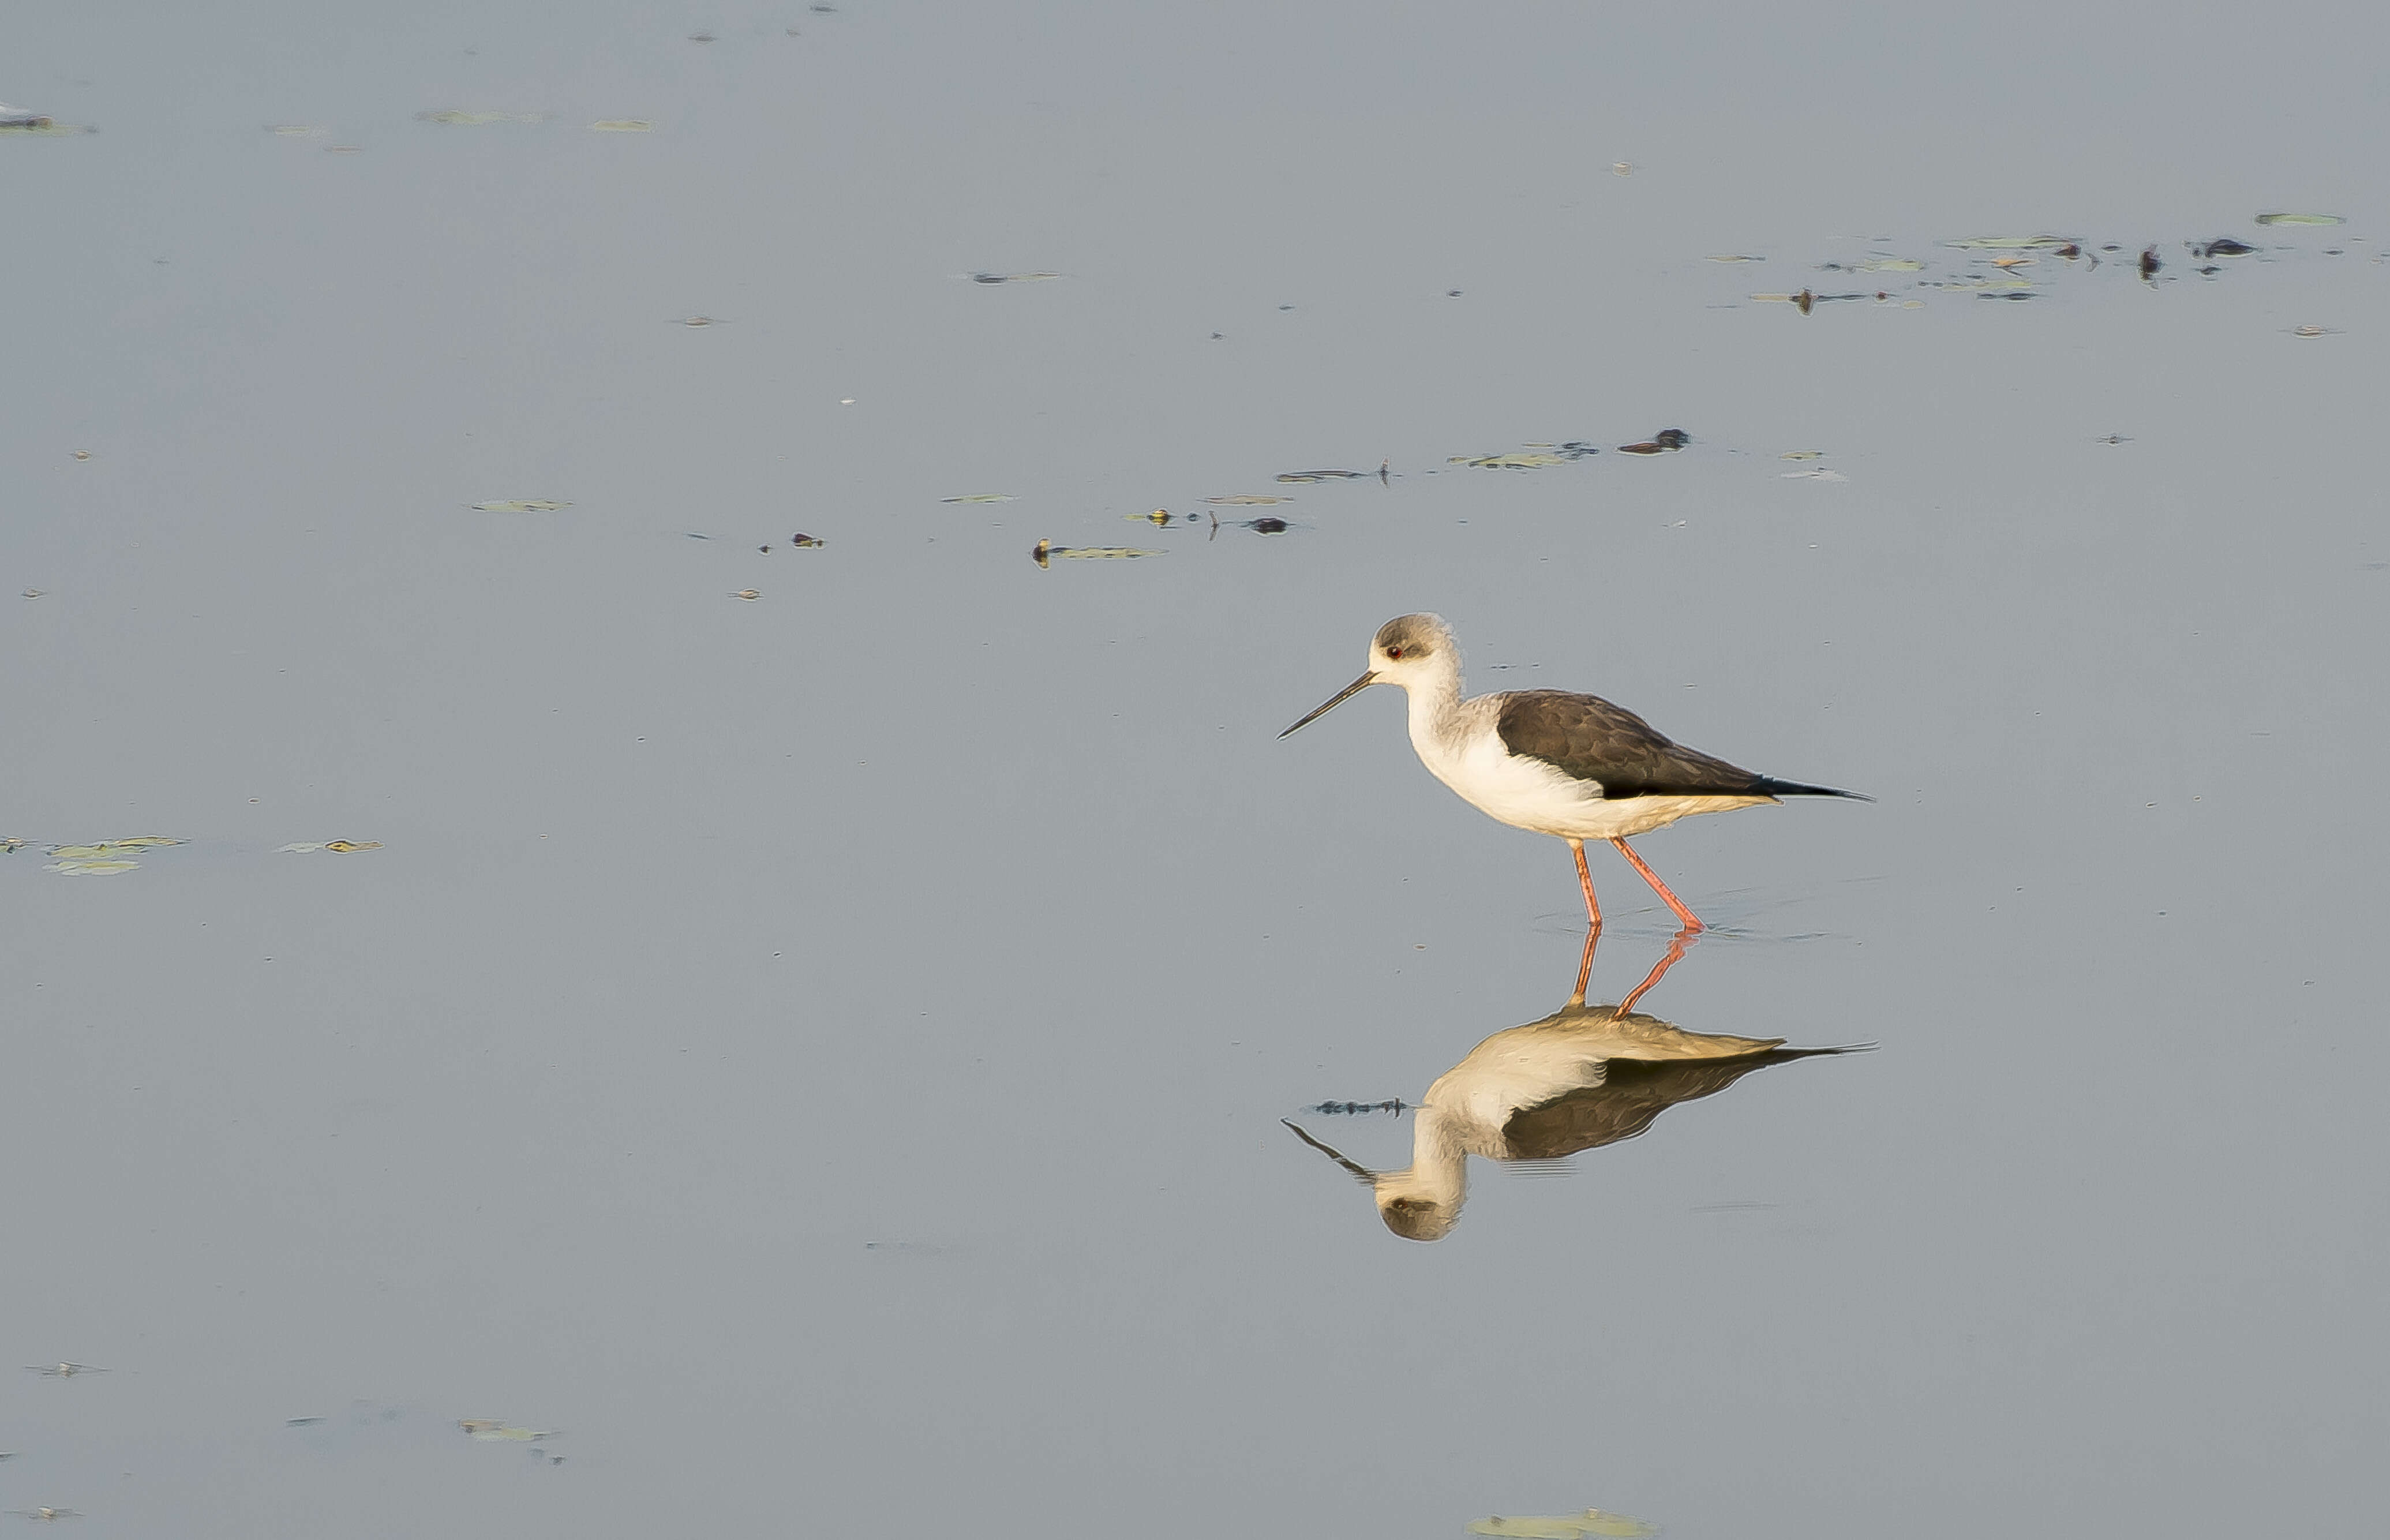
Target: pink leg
column 1585, row 876
column 1677, row 945
column 1657, row 886
column 1584, row 968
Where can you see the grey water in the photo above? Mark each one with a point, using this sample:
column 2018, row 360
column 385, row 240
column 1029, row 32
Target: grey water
column 818, row 1060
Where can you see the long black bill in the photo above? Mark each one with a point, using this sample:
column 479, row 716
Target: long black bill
column 1368, row 1178
column 1347, row 693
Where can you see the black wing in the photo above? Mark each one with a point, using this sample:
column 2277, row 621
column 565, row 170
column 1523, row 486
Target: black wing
column 1633, row 1094
column 1587, row 737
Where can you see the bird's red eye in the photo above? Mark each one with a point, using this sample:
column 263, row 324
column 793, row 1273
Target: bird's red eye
column 1393, row 652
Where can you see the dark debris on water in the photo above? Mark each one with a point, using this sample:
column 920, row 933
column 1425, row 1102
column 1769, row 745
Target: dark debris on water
column 2016, row 258
column 1267, row 523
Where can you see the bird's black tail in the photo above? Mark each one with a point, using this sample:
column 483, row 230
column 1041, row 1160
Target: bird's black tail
column 1768, row 787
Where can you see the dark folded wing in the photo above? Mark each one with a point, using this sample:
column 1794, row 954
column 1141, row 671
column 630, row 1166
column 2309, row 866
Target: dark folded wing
column 1587, row 737
column 1633, row 1094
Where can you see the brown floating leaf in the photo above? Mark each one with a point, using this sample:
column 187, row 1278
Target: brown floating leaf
column 104, row 858
column 1046, row 549
column 36, row 125
column 455, row 119
column 2009, row 243
column 491, row 1430
column 1528, row 460
column 1568, row 1526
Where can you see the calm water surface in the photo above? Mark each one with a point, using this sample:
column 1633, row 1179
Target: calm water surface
column 820, row 1059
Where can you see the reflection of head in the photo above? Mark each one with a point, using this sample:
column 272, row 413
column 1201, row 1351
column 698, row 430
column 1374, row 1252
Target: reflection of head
column 1414, row 1216
column 1419, row 1202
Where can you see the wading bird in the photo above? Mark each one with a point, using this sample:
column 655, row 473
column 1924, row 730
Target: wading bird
column 1553, row 762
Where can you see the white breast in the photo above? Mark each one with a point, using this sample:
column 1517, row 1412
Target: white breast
column 1521, row 1067
column 1466, row 753
column 1524, row 793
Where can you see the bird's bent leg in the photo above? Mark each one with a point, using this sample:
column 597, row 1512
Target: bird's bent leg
column 1677, row 945
column 1584, row 968
column 1691, row 923
column 1585, row 876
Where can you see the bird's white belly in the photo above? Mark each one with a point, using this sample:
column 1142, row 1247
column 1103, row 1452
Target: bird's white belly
column 1529, row 794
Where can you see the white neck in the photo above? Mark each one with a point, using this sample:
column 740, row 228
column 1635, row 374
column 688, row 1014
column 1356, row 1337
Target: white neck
column 1439, row 1168
column 1438, row 723
column 1435, row 695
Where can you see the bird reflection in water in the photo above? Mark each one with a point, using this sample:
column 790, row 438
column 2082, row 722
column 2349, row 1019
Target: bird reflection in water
column 1583, row 1077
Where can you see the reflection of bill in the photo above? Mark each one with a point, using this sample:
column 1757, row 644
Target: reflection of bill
column 1583, row 1077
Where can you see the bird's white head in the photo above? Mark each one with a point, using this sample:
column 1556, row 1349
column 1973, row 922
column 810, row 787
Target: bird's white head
column 1414, row 651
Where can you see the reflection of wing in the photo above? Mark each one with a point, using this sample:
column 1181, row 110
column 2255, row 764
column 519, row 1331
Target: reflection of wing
column 1634, row 1093
column 1604, row 1033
